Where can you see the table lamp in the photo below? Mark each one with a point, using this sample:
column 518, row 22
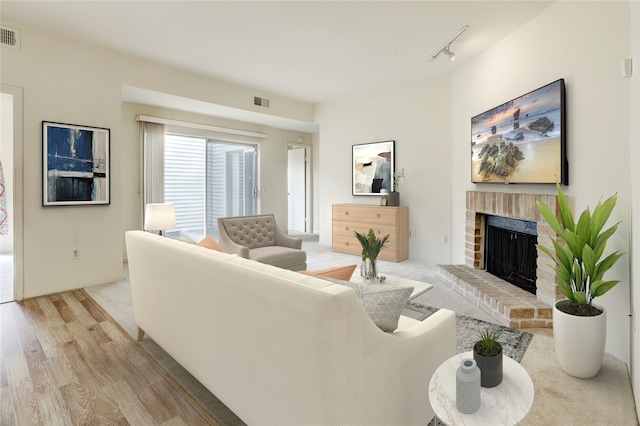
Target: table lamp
column 159, row 217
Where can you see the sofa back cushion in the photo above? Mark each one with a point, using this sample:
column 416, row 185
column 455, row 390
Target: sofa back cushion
column 252, row 231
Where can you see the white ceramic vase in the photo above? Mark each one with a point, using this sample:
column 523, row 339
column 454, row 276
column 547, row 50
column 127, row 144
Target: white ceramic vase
column 468, row 386
column 579, row 342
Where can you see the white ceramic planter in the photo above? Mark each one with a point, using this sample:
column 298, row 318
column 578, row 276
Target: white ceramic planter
column 579, row 342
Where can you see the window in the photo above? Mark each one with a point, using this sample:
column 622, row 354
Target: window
column 206, row 179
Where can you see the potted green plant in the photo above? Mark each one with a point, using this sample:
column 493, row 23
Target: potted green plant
column 487, row 352
column 394, row 195
column 371, row 246
column 579, row 326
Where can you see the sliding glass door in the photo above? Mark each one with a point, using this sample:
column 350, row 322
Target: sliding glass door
column 206, row 179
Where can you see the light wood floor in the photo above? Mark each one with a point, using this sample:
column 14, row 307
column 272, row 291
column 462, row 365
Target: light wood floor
column 63, row 360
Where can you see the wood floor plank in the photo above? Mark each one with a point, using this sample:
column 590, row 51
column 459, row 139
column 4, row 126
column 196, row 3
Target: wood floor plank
column 65, row 361
column 63, row 309
column 129, row 403
column 51, row 314
column 7, row 413
column 91, row 307
column 53, row 409
column 166, row 393
column 9, row 338
column 59, row 370
column 80, row 312
column 21, row 388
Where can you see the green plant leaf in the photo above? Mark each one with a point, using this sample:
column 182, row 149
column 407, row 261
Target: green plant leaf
column 565, row 211
column 583, row 229
column 589, row 260
column 606, row 264
column 601, row 213
column 580, row 297
column 575, row 244
column 550, row 217
column 601, row 287
column 600, row 241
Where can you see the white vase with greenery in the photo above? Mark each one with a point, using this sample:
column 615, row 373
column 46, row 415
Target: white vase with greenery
column 371, row 246
column 579, row 326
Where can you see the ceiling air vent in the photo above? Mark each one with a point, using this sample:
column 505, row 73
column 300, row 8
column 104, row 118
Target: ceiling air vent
column 261, row 102
column 9, row 37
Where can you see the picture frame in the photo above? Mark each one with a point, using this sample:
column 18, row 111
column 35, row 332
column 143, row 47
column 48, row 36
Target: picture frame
column 75, row 165
column 373, row 165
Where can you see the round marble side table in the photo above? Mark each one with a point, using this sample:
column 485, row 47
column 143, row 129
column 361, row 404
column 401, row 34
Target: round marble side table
column 506, row 404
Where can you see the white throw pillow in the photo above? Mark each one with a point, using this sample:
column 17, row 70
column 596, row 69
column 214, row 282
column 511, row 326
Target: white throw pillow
column 382, row 302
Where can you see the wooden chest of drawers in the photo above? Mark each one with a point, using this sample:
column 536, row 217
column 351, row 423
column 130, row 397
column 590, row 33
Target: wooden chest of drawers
column 394, row 221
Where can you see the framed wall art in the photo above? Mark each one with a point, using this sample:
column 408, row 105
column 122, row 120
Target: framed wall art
column 373, row 165
column 75, row 163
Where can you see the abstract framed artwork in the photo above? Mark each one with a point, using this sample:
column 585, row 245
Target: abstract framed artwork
column 76, row 164
column 373, row 166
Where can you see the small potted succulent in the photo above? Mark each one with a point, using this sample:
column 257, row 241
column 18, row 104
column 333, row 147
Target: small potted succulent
column 487, row 352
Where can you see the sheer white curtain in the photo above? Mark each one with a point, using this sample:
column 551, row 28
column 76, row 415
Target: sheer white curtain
column 153, row 163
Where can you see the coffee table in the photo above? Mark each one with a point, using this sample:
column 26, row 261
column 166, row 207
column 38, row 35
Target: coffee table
column 418, row 286
column 506, row 404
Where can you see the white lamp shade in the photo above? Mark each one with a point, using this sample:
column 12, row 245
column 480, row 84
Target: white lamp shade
column 159, row 216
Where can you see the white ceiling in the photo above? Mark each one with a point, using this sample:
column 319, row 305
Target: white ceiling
column 311, row 51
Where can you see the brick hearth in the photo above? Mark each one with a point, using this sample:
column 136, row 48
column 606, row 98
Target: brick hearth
column 508, row 304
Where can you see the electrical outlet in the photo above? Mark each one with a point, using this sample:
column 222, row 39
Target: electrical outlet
column 75, row 254
column 413, row 234
column 445, row 239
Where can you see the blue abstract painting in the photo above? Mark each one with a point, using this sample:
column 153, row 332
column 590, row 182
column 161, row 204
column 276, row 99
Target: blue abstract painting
column 76, row 164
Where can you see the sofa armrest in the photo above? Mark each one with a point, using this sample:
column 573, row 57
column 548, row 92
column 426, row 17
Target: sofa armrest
column 284, row 240
column 228, row 245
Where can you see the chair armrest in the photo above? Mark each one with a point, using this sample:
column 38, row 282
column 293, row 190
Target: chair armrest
column 228, row 245
column 284, row 240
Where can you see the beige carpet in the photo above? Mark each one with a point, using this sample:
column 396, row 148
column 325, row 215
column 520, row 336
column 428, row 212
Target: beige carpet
column 559, row 399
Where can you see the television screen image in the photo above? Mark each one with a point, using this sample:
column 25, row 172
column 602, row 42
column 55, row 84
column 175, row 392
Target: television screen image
column 523, row 140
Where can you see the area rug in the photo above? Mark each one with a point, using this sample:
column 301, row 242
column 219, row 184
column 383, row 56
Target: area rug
column 468, row 330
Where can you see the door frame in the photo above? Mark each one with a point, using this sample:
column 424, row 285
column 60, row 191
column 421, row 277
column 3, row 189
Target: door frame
column 18, row 190
column 307, row 190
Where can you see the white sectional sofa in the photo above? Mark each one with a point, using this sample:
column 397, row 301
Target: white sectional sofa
column 279, row 347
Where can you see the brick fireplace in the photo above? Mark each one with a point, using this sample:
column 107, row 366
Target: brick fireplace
column 508, row 304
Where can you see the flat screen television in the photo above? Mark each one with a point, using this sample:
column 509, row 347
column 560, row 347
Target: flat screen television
column 523, row 140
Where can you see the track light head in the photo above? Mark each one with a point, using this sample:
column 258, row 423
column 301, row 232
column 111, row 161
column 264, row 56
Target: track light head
column 449, row 53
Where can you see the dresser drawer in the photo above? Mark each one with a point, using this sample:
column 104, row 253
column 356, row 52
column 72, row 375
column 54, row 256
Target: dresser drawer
column 352, row 245
column 347, row 229
column 365, row 215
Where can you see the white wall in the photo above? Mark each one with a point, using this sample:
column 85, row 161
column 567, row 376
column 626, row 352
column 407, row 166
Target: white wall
column 417, row 116
column 69, row 82
column 569, row 40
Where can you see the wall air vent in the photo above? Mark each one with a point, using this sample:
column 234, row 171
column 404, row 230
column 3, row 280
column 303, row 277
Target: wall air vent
column 261, row 102
column 9, row 37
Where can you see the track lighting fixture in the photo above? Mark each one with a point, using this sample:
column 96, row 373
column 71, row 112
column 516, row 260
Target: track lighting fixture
column 446, row 49
column 449, row 53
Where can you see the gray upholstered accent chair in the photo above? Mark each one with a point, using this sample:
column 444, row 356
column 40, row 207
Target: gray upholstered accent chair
column 259, row 238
